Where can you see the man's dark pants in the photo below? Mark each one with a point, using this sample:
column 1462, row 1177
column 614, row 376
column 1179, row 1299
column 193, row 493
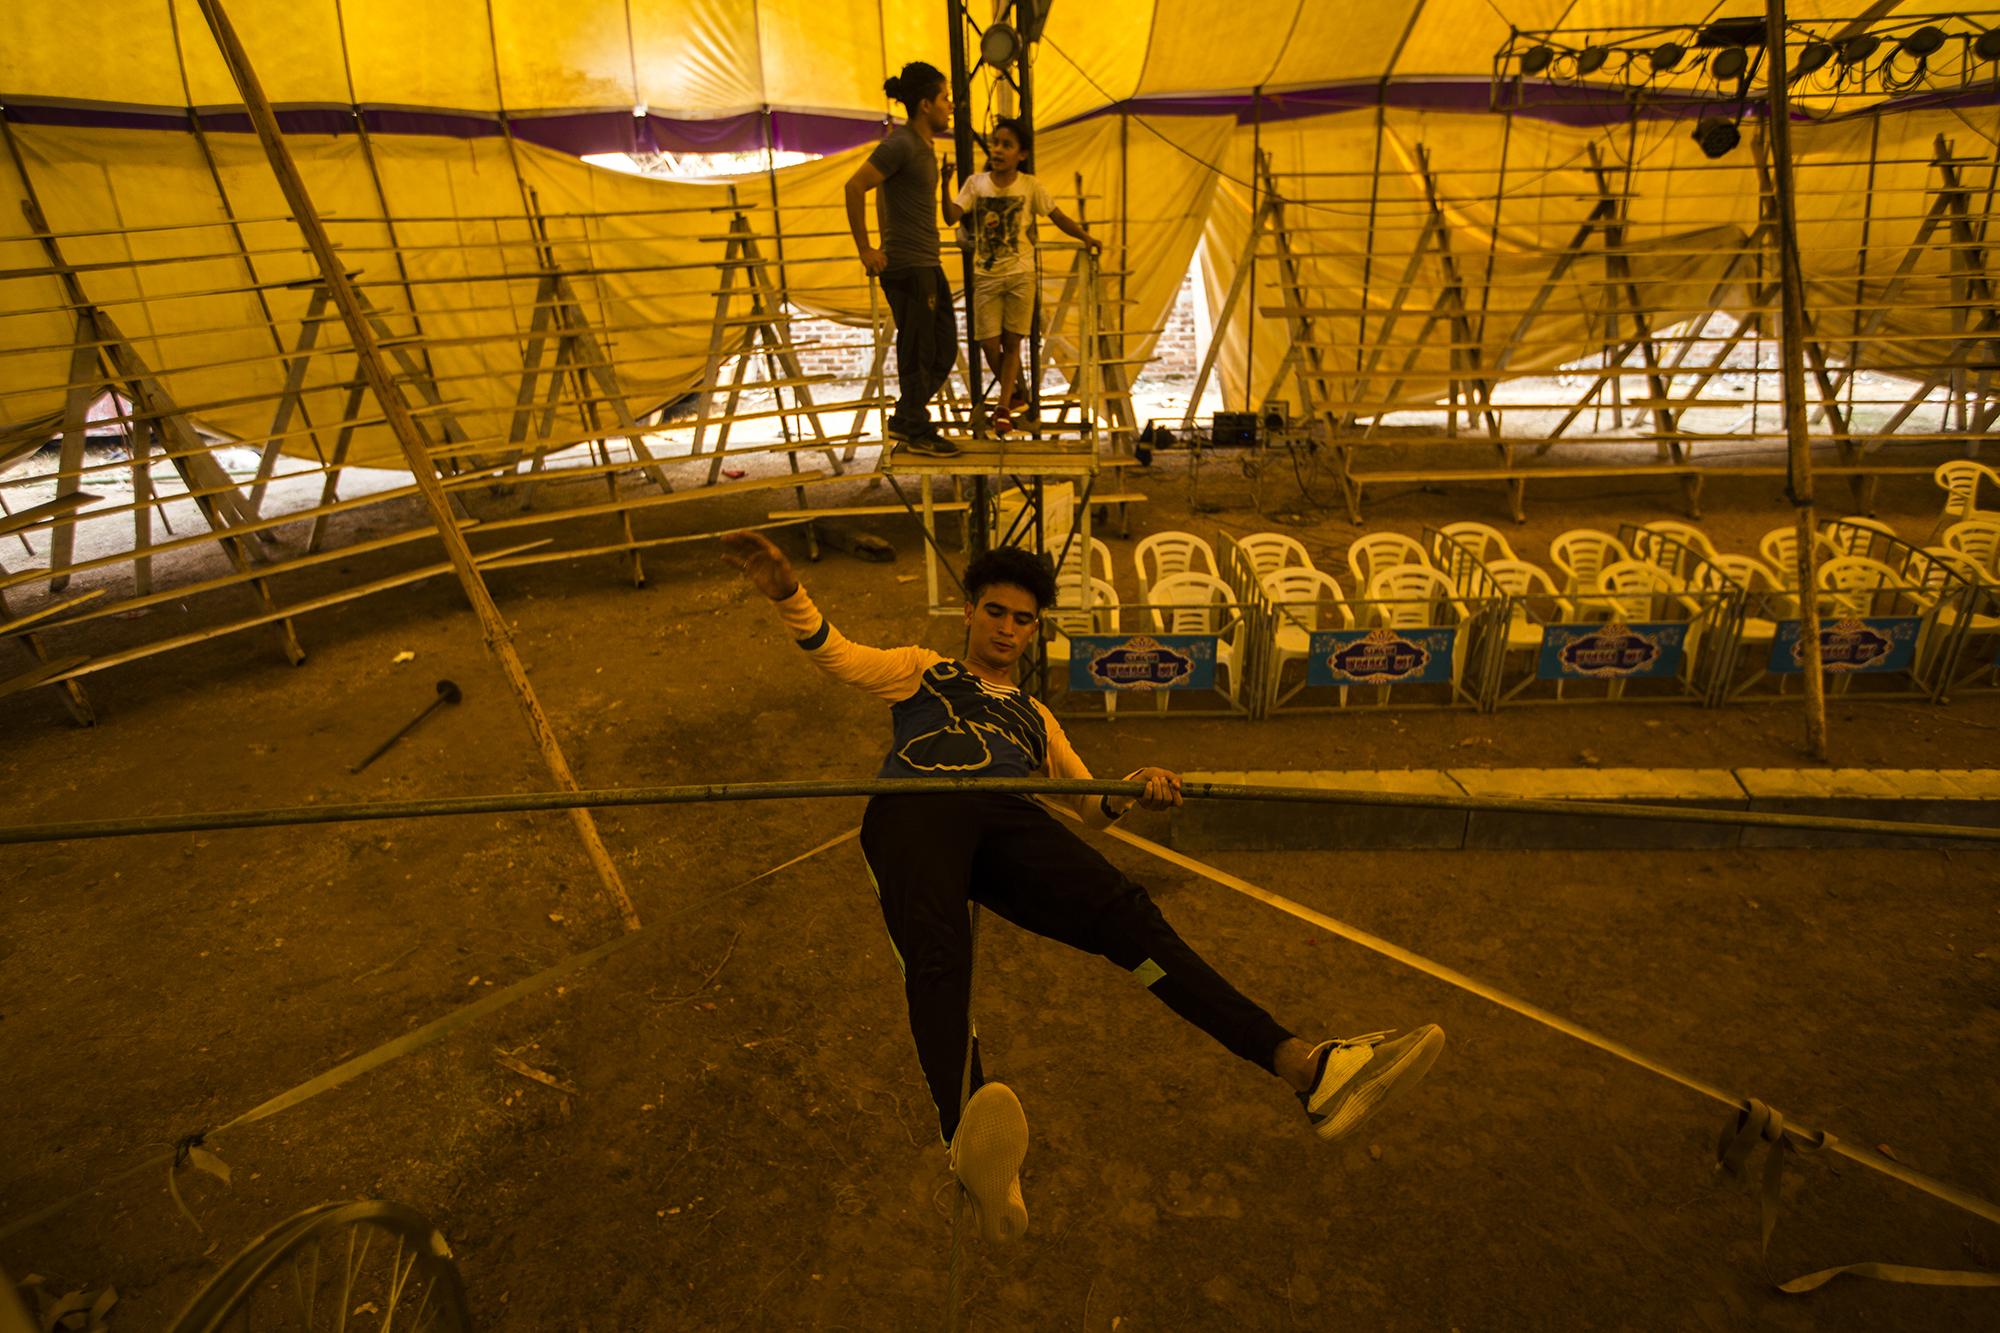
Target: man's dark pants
column 926, row 341
column 933, row 855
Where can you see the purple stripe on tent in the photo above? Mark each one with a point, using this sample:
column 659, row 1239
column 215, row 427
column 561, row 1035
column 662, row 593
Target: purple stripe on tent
column 442, row 124
column 107, row 118
column 1566, row 104
column 617, row 132
column 584, row 132
column 1580, row 106
column 808, row 132
column 575, row 133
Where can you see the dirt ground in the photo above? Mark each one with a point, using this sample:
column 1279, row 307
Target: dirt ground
column 750, row 1144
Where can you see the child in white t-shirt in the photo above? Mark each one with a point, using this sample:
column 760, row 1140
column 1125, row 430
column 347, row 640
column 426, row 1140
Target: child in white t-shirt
column 1003, row 203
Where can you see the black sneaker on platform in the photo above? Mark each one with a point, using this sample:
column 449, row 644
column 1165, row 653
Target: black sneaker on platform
column 929, row 444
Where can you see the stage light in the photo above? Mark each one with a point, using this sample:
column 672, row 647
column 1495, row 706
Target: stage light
column 1813, row 58
column 1855, row 50
column 999, row 46
column 1591, row 60
column 1717, row 136
column 1536, row 60
column 1731, row 63
column 1923, row 42
column 1665, row 56
column 1987, row 47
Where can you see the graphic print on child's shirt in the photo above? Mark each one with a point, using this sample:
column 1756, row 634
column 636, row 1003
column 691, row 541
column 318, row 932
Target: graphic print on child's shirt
column 999, row 232
column 1001, row 219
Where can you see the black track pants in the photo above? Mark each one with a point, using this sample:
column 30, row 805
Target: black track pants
column 926, row 339
column 930, row 854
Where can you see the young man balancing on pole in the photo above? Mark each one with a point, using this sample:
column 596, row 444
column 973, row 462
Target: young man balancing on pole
column 904, row 169
column 930, row 854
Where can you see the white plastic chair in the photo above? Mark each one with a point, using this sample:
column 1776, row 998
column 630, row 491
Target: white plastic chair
column 1200, row 604
column 1928, row 570
column 1858, row 584
column 1959, row 479
column 1779, row 549
column 1978, row 540
column 1369, row 556
column 1269, row 552
column 1418, row 597
column 1582, row 554
column 1854, row 536
column 1634, row 590
column 1101, row 566
column 1687, row 534
column 1165, row 554
column 1068, row 616
column 1487, row 543
column 1527, row 584
column 1928, row 578
column 1765, row 600
column 1413, row 596
column 1304, row 601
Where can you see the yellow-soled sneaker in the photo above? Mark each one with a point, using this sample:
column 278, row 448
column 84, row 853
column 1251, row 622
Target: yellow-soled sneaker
column 986, row 1155
column 1357, row 1076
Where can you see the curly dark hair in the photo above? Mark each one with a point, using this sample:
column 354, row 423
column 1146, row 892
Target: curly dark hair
column 918, row 82
column 1023, row 569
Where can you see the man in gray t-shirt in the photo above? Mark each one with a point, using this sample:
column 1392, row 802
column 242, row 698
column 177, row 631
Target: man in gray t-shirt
column 904, row 169
column 906, row 205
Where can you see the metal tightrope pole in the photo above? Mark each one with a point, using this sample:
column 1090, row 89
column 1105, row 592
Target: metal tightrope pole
column 617, row 797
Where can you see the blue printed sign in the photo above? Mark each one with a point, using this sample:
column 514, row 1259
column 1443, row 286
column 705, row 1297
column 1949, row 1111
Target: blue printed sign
column 1614, row 651
column 1379, row 657
column 1142, row 661
column 1871, row 643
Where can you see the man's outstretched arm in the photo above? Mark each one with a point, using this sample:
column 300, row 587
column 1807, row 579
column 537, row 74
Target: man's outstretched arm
column 1163, row 786
column 889, row 674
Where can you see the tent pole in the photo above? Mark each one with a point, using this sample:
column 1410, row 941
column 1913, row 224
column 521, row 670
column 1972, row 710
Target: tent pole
column 1256, row 177
column 1791, row 351
column 499, row 639
column 956, row 17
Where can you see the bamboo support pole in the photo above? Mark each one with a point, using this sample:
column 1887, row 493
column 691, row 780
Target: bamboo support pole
column 353, row 592
column 1791, row 348
column 375, row 370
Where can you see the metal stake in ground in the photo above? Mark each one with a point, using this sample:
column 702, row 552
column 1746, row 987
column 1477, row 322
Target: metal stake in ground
column 447, row 694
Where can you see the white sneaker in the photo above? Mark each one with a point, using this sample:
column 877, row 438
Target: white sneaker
column 1358, row 1076
column 986, row 1155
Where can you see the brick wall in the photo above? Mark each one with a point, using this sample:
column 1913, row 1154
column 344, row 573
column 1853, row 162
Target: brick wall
column 1175, row 356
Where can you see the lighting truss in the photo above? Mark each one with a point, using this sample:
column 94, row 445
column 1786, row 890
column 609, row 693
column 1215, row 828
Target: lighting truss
column 1712, row 65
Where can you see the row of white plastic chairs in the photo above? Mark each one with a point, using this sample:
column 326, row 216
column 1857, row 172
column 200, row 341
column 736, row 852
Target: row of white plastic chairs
column 1180, row 567
column 1585, row 557
column 1405, row 586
